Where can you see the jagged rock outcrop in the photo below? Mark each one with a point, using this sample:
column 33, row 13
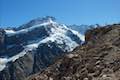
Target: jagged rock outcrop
column 97, row 59
column 2, row 40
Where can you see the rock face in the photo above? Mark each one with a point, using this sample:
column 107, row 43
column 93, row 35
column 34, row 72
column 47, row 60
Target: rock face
column 34, row 46
column 97, row 59
column 2, row 40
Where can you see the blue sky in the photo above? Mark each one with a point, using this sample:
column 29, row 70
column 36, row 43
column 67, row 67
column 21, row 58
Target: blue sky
column 17, row 12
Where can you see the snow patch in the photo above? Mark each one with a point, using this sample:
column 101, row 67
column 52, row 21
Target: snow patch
column 3, row 62
column 82, row 37
column 9, row 31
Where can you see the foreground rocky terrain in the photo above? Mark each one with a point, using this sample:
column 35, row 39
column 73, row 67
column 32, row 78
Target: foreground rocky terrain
column 97, row 59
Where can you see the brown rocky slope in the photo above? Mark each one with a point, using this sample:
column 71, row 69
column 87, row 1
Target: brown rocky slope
column 97, row 59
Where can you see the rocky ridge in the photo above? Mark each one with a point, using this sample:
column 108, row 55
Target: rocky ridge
column 97, row 59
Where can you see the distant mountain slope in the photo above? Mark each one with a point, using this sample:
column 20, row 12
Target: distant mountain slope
column 97, row 59
column 81, row 28
column 33, row 46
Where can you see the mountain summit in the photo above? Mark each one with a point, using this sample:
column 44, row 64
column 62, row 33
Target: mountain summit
column 37, row 21
column 33, row 46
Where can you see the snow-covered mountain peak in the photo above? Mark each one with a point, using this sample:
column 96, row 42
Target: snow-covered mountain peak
column 44, row 19
column 49, row 27
column 36, row 21
column 38, row 32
